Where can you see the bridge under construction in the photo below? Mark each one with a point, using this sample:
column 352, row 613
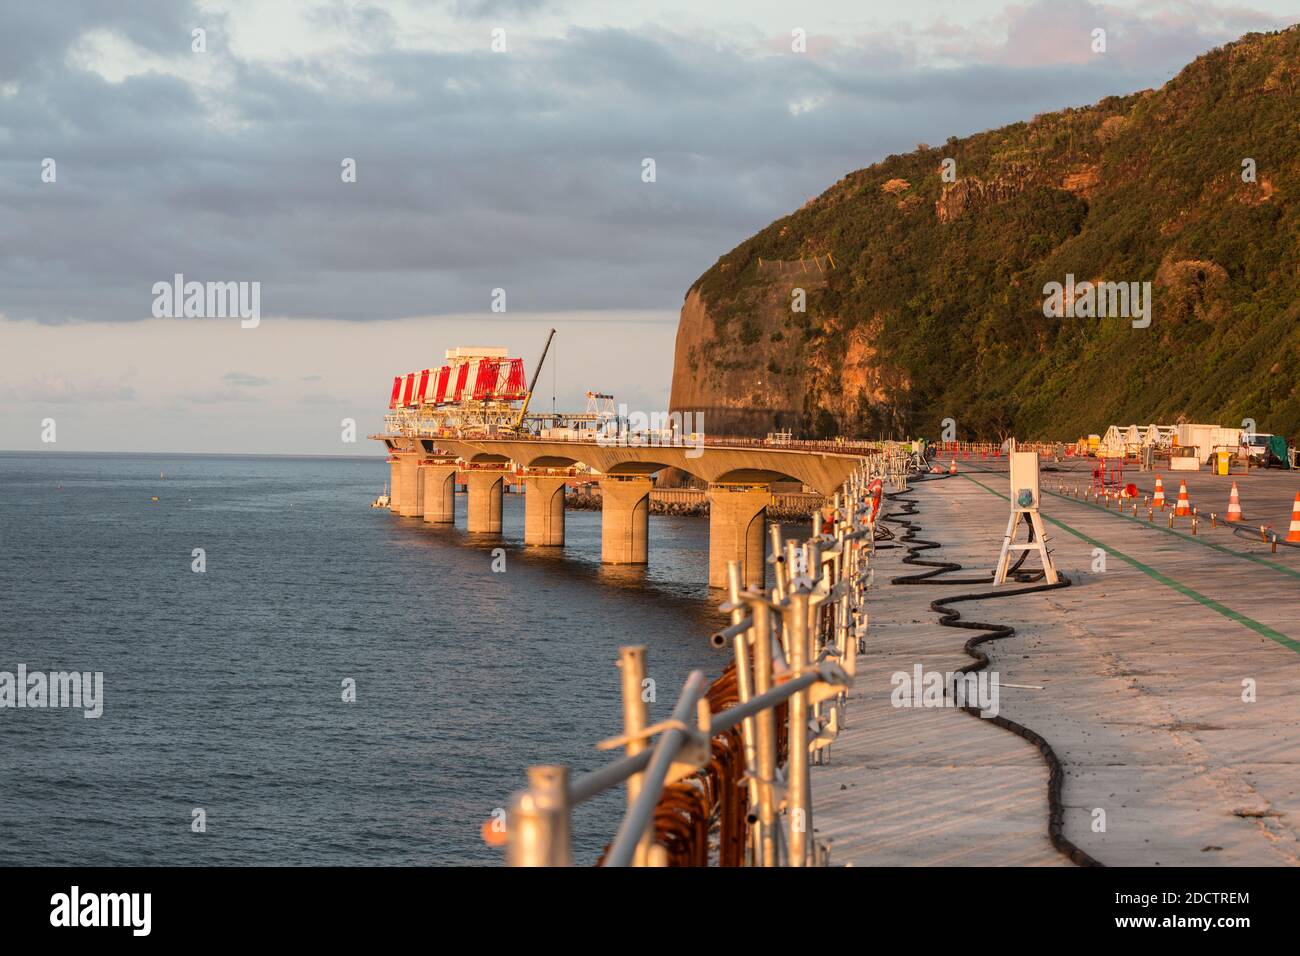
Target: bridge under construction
column 467, row 423
column 424, row 473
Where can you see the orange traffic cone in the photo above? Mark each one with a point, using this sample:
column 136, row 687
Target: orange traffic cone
column 1293, row 533
column 1158, row 501
column 952, row 468
column 1234, row 505
column 1184, row 503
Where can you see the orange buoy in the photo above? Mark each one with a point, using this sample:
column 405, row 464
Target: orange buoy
column 493, row 833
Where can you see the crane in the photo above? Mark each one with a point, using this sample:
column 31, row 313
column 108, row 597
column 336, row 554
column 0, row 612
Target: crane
column 519, row 422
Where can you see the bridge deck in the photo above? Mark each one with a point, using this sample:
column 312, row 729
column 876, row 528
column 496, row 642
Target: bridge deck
column 1141, row 668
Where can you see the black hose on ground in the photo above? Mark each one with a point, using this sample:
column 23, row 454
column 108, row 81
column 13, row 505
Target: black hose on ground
column 949, row 617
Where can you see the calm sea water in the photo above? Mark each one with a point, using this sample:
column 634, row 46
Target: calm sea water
column 223, row 689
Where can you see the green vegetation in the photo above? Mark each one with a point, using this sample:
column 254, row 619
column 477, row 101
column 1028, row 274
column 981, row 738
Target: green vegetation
column 1146, row 187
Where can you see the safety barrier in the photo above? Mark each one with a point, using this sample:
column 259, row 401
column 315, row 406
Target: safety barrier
column 778, row 704
column 1127, row 498
column 985, row 449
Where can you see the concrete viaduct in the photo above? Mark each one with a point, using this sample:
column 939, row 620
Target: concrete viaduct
column 739, row 481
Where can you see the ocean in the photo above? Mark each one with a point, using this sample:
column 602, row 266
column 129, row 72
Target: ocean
column 223, row 689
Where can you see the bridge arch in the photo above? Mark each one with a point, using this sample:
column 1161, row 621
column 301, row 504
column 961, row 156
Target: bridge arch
column 487, row 458
column 754, row 476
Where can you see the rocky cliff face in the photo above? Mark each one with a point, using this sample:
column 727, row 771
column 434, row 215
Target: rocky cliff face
column 719, row 372
column 923, row 293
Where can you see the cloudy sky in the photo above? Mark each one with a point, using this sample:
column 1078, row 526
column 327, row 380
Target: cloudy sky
column 476, row 169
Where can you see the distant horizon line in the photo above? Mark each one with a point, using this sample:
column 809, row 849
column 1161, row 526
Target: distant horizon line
column 188, row 454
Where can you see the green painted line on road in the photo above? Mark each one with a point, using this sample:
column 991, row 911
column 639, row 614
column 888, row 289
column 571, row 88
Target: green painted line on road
column 1262, row 629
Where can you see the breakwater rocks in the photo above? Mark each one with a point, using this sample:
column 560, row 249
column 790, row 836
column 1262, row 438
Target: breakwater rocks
column 783, row 507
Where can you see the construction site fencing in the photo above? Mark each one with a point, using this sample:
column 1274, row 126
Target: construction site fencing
column 734, row 757
column 986, row 449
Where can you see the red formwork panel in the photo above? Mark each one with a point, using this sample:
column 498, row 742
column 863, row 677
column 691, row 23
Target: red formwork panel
column 462, row 376
column 440, row 393
column 485, row 382
column 515, row 385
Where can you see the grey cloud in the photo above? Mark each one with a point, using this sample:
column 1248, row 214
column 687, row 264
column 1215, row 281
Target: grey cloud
column 366, row 23
column 60, row 390
column 243, row 378
column 475, row 170
column 40, row 33
column 480, row 9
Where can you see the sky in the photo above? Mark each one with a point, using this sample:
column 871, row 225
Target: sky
column 497, row 145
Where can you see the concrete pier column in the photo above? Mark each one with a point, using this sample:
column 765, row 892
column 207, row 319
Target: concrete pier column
column 438, row 487
column 544, row 510
column 625, row 520
column 485, row 488
column 418, row 510
column 394, row 482
column 738, row 532
column 408, row 469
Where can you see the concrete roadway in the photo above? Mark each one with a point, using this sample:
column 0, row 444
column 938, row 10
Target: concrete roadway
column 1141, row 667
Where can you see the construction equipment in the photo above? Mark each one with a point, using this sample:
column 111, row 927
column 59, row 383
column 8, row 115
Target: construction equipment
column 1024, row 507
column 519, row 422
column 476, row 392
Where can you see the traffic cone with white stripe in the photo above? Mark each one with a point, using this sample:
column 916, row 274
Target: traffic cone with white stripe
column 1234, row 505
column 1158, row 501
column 1184, row 508
column 952, row 468
column 1293, row 533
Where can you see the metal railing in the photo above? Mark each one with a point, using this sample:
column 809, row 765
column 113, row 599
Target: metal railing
column 795, row 648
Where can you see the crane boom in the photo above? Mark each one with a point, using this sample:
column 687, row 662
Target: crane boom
column 519, row 422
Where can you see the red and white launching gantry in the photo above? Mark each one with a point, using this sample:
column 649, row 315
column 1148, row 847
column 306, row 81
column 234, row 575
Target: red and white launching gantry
column 480, row 391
